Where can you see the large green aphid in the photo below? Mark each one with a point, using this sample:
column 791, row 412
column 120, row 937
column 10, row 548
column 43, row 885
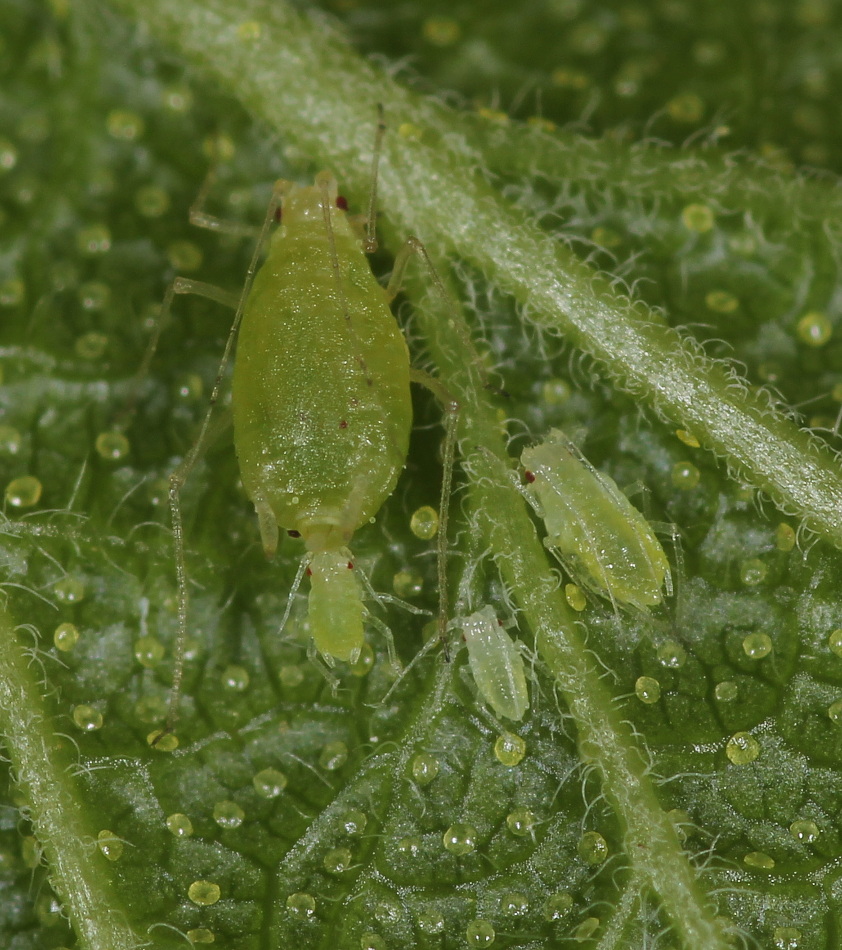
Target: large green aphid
column 601, row 538
column 321, row 402
column 496, row 663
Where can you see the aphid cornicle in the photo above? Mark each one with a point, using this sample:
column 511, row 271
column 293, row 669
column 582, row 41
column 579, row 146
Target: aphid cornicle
column 601, row 538
column 321, row 402
column 496, row 664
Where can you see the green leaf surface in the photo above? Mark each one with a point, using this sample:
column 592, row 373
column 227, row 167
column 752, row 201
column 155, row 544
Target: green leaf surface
column 616, row 200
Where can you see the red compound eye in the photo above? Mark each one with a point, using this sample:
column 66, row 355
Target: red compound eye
column 343, row 424
column 279, row 213
column 529, row 476
column 342, row 202
column 350, row 565
column 309, row 572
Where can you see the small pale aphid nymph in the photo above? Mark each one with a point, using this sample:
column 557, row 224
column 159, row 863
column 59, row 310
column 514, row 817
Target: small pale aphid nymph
column 603, row 541
column 496, row 664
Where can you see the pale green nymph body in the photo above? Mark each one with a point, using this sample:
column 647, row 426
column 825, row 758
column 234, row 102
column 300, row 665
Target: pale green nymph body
column 496, row 664
column 321, row 401
column 601, row 538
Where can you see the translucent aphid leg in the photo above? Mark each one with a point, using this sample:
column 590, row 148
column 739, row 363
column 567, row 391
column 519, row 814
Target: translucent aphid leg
column 201, row 219
column 185, row 285
column 411, row 247
column 208, row 435
column 672, row 585
column 381, row 598
column 321, row 664
column 390, row 641
column 451, row 408
column 370, row 242
column 299, row 574
column 179, row 285
column 268, row 524
column 425, row 649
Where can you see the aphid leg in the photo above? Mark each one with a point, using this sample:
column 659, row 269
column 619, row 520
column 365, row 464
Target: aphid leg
column 390, row 641
column 268, row 524
column 380, row 599
column 321, row 664
column 201, row 219
column 299, row 574
column 383, row 598
column 425, row 649
column 451, row 419
column 672, row 587
column 177, row 479
column 207, row 431
column 179, row 285
column 185, row 285
column 370, row 242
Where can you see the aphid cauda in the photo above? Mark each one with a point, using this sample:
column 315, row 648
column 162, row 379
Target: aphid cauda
column 320, row 399
column 601, row 538
column 496, row 664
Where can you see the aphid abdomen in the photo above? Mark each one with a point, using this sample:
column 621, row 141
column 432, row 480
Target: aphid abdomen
column 602, row 539
column 335, row 608
column 322, row 410
column 496, row 664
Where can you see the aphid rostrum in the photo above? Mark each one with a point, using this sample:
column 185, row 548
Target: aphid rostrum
column 596, row 532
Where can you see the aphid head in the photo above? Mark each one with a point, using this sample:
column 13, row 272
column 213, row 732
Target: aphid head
column 307, row 202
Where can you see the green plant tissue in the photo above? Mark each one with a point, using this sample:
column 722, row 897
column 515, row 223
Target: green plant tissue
column 630, row 219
